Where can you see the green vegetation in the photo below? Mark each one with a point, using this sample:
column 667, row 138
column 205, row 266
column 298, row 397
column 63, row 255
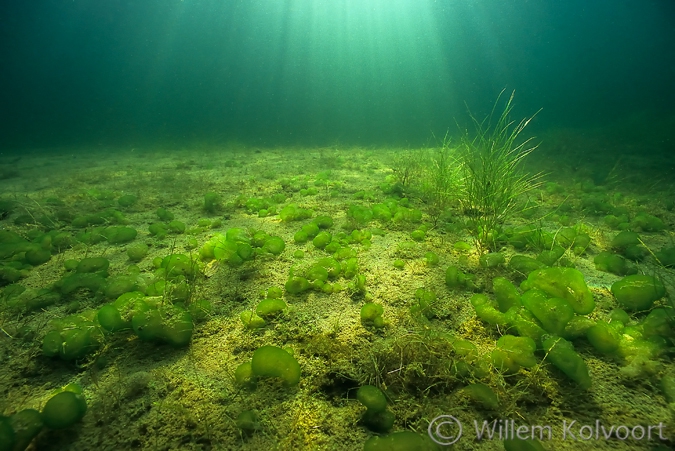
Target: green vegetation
column 328, row 306
column 492, row 179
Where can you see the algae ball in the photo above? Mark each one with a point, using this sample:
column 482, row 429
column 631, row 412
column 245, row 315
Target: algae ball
column 127, row 201
column 37, row 257
column 296, row 285
column 7, row 436
column 274, row 245
column 137, row 252
column 64, row 409
column 371, row 314
column 92, row 264
column 118, row 235
column 638, row 292
column 26, row 424
column 372, row 398
column 270, row 307
column 110, row 318
column 271, row 361
column 322, row 239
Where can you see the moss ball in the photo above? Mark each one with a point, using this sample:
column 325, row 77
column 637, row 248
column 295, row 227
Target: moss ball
column 322, row 239
column 296, row 285
column 372, row 398
column 127, row 201
column 26, row 424
column 270, row 361
column 64, row 409
column 92, row 264
column 137, row 252
column 274, row 245
column 418, row 235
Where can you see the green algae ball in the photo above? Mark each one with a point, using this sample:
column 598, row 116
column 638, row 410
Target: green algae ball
column 562, row 354
column 251, row 320
column 431, row 258
column 418, row 235
column 164, row 214
column 371, row 314
column 322, row 239
column 26, row 424
column 274, row 293
column 274, row 245
column 666, row 257
column 110, row 319
column 118, row 285
column 118, row 235
column 270, row 307
column 36, row 257
column 648, row 223
column 169, row 323
column 271, row 361
column 311, row 229
column 381, row 212
column 177, row 265
column 553, row 313
column 604, row 336
column 296, row 285
column 612, row 263
column 506, row 293
column 491, row 260
column 513, row 352
column 137, row 252
column 454, row 277
column 7, row 436
column 565, row 283
column 243, row 374
column 332, row 266
column 638, row 292
column 127, row 201
column 372, row 398
column 323, row 221
column 486, row 311
column 92, row 264
column 524, row 264
column 64, row 409
column 300, row 237
column 177, row 227
column 72, row 282
column 158, row 229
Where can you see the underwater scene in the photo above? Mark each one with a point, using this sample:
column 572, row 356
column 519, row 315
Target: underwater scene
column 337, row 225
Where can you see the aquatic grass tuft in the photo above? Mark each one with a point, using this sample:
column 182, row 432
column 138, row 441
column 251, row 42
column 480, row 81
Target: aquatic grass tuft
column 491, row 175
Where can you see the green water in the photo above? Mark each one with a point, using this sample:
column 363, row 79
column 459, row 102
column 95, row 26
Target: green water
column 298, row 225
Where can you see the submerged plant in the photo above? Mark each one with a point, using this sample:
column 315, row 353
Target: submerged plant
column 492, row 179
column 439, row 185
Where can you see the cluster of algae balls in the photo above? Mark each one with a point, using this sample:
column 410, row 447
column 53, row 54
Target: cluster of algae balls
column 65, row 408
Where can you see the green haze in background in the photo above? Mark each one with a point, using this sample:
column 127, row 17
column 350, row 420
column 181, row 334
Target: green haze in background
column 317, row 72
